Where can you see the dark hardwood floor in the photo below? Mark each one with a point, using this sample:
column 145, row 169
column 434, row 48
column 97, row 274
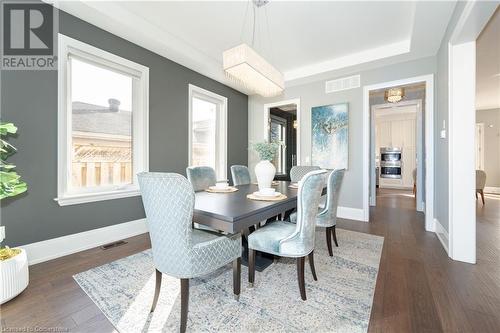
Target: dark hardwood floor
column 419, row 289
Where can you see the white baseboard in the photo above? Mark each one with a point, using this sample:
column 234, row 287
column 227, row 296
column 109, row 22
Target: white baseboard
column 442, row 234
column 58, row 247
column 491, row 189
column 350, row 213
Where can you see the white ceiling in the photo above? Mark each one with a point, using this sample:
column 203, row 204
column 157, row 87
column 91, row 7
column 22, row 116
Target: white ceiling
column 306, row 40
column 488, row 65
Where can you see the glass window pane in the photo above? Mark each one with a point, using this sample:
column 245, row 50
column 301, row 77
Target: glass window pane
column 101, row 103
column 204, row 120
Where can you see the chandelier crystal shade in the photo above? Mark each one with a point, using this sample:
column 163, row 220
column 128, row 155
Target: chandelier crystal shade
column 245, row 66
column 394, row 95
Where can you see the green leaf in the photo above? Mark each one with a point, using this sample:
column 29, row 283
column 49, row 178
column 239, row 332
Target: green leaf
column 7, row 128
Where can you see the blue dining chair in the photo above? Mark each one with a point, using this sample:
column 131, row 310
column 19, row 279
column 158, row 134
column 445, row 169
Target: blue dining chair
column 201, row 177
column 287, row 239
column 178, row 249
column 240, row 175
column 327, row 215
column 299, row 171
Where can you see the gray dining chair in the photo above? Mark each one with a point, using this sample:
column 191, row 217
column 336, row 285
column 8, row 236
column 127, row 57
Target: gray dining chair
column 178, row 249
column 480, row 183
column 201, row 177
column 299, row 171
column 287, row 239
column 327, row 215
column 240, row 175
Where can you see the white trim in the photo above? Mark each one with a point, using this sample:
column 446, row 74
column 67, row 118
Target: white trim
column 492, row 190
column 462, row 166
column 351, row 213
column 379, row 52
column 140, row 122
column 429, row 146
column 268, row 106
column 462, row 114
column 442, row 235
column 479, row 144
column 221, row 132
column 61, row 246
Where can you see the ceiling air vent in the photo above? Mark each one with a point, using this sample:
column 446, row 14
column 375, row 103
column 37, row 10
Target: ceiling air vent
column 344, row 83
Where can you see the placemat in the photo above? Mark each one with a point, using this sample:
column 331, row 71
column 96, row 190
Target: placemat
column 230, row 189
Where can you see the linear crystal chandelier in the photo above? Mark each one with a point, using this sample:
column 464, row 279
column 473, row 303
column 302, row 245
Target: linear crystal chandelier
column 245, row 66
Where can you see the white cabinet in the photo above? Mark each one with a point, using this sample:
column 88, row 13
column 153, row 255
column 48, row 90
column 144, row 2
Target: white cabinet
column 398, row 130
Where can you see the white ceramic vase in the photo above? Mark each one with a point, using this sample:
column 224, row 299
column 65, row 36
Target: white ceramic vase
column 264, row 171
column 14, row 276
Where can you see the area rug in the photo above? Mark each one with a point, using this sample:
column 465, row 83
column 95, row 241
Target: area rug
column 340, row 301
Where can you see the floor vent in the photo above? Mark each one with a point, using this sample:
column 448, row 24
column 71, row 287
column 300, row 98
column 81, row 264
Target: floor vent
column 344, row 83
column 114, row 244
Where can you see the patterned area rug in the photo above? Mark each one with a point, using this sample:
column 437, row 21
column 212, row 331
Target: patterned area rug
column 340, row 301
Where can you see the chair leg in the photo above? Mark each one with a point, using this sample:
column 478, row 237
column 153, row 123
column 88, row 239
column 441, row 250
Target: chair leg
column 300, row 277
column 184, row 303
column 329, row 241
column 237, row 278
column 476, row 194
column 311, row 263
column 482, row 196
column 157, row 290
column 334, row 234
column 251, row 267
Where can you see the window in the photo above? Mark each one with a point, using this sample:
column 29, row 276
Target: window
column 103, row 124
column 207, row 130
column 277, row 133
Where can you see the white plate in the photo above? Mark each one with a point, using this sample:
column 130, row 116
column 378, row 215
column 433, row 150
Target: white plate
column 275, row 194
column 215, row 188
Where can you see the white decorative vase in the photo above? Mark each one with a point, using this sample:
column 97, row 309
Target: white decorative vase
column 14, row 276
column 264, row 171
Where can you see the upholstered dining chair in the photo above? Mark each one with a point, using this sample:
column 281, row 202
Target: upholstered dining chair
column 201, row 177
column 299, row 171
column 286, row 239
column 480, row 183
column 327, row 215
column 240, row 175
column 178, row 249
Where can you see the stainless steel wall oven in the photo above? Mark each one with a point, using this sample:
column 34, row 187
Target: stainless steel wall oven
column 390, row 162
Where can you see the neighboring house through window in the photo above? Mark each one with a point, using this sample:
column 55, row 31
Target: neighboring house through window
column 103, row 124
column 208, row 130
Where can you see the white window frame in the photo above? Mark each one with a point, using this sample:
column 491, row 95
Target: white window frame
column 140, row 124
column 221, row 124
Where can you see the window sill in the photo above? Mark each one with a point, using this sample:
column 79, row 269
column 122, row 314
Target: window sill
column 75, row 199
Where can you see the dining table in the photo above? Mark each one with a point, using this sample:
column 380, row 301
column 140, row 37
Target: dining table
column 235, row 213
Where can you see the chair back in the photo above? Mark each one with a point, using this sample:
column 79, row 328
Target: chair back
column 201, row 177
column 299, row 171
column 329, row 214
column 240, row 174
column 301, row 242
column 168, row 200
column 480, row 179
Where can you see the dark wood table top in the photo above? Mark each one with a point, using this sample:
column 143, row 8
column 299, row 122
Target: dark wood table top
column 234, row 212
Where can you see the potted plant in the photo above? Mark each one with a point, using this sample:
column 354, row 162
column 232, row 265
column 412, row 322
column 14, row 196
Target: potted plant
column 13, row 262
column 265, row 170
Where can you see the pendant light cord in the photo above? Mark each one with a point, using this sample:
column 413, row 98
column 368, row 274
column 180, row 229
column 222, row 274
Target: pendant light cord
column 253, row 33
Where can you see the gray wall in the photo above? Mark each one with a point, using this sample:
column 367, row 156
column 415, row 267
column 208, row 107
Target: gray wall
column 313, row 94
column 29, row 99
column 441, row 146
column 491, row 120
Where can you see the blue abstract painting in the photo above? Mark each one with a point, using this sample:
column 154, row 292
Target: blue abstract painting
column 330, row 136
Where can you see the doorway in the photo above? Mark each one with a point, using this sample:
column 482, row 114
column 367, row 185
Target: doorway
column 282, row 124
column 425, row 174
column 397, row 142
